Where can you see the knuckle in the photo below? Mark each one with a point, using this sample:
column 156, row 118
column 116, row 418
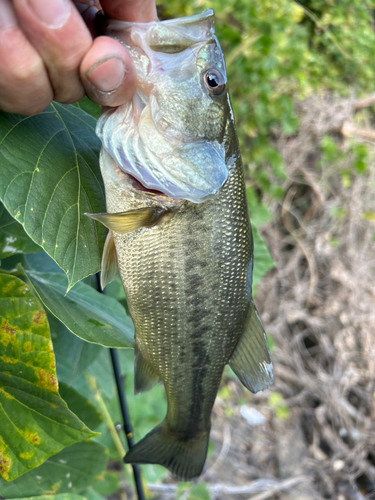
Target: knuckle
column 26, row 72
column 30, row 108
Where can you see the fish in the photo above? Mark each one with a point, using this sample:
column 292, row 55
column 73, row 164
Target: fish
column 180, row 234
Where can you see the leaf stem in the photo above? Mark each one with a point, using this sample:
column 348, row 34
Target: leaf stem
column 107, row 417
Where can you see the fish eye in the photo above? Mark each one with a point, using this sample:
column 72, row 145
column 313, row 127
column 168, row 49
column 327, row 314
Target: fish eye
column 214, row 81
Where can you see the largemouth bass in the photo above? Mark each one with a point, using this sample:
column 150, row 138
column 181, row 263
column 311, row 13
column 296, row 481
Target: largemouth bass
column 180, row 233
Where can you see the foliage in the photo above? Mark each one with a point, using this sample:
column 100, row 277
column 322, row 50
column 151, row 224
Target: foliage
column 277, row 52
column 51, row 181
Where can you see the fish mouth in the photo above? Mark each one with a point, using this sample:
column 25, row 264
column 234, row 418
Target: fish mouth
column 194, row 170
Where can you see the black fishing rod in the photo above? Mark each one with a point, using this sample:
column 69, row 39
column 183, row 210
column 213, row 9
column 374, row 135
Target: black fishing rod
column 124, row 409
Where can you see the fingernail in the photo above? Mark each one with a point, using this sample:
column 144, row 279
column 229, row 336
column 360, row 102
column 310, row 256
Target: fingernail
column 107, row 74
column 53, row 13
column 7, row 15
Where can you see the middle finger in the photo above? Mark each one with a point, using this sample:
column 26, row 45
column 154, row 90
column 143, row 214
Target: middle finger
column 60, row 36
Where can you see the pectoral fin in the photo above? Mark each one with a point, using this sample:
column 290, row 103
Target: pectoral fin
column 126, row 222
column 144, row 376
column 251, row 360
column 109, row 261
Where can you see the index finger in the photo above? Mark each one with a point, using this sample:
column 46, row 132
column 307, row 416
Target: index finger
column 138, row 11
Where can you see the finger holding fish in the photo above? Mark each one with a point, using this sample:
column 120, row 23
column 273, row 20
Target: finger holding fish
column 48, row 52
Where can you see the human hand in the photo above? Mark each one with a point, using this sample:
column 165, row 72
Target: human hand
column 47, row 52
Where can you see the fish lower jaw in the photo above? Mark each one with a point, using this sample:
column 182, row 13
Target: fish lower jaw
column 138, row 186
column 151, row 194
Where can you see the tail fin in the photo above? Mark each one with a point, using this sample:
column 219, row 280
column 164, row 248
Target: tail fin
column 183, row 457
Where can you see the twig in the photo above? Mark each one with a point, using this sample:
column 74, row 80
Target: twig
column 284, row 485
column 223, row 452
column 365, row 102
column 321, row 26
column 263, row 486
column 285, row 210
column 245, row 44
column 348, row 130
column 107, row 417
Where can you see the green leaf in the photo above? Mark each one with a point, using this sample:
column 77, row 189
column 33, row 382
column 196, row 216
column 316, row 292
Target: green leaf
column 199, row 491
column 80, row 406
column 62, row 496
column 35, row 422
column 49, row 176
column 42, row 263
column 90, row 494
column 70, row 471
column 262, row 259
column 90, row 315
column 93, row 495
column 88, row 107
column 13, row 239
column 108, row 484
column 73, row 355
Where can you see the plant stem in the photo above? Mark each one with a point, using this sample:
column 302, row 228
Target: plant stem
column 107, row 417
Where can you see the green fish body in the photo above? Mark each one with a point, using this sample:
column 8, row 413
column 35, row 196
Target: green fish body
column 180, row 234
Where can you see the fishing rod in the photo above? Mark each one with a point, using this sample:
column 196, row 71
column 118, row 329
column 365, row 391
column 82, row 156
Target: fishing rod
column 124, row 409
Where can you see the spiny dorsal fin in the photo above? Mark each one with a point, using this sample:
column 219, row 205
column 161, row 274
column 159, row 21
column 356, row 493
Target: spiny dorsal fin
column 109, row 261
column 126, row 222
column 251, row 360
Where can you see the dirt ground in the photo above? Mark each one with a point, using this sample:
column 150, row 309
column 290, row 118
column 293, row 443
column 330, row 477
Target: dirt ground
column 313, row 435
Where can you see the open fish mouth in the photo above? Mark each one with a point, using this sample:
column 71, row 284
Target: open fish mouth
column 138, row 186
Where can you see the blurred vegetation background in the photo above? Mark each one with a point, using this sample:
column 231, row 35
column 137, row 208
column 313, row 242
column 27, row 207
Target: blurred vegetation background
column 280, row 52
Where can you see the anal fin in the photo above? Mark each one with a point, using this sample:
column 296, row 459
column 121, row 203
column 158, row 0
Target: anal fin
column 126, row 222
column 251, row 360
column 109, row 261
column 144, row 376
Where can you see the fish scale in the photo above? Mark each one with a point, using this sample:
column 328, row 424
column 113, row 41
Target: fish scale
column 185, row 263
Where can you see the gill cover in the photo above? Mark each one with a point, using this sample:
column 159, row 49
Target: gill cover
column 171, row 135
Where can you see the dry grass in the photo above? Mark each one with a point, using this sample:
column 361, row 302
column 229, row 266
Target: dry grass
column 319, row 306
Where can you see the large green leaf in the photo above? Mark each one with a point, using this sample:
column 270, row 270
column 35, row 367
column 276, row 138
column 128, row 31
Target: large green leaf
column 73, row 355
column 90, row 494
column 13, row 239
column 35, row 422
column 80, row 406
column 88, row 107
column 70, row 471
column 87, row 313
column 49, row 176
